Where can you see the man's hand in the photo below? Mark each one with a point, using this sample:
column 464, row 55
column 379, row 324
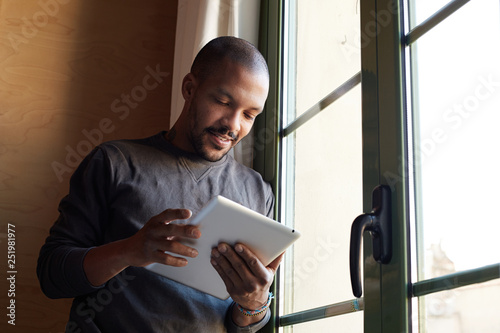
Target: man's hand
column 158, row 235
column 247, row 280
column 147, row 246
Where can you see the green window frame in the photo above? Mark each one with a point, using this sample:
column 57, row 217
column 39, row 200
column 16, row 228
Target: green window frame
column 387, row 104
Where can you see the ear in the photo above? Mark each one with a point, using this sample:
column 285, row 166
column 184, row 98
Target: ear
column 189, row 84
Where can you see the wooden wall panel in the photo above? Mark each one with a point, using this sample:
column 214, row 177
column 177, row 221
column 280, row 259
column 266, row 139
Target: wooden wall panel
column 72, row 74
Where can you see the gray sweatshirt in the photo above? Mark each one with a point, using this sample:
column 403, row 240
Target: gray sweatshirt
column 113, row 193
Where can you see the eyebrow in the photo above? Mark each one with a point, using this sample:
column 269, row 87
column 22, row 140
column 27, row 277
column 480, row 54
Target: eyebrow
column 222, row 91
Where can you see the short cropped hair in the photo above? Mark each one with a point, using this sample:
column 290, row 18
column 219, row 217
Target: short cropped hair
column 228, row 47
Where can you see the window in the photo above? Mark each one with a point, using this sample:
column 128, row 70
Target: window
column 423, row 122
column 455, row 89
column 321, row 160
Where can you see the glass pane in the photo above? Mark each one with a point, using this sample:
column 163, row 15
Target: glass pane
column 322, row 171
column 327, row 49
column 349, row 323
column 423, row 9
column 456, row 109
column 469, row 309
column 327, row 197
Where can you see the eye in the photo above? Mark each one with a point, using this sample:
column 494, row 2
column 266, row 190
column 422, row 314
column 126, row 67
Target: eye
column 221, row 102
column 249, row 116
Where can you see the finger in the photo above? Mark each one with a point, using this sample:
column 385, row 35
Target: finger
column 253, row 263
column 175, row 231
column 170, row 215
column 276, row 262
column 231, row 267
column 170, row 260
column 177, row 248
column 218, row 267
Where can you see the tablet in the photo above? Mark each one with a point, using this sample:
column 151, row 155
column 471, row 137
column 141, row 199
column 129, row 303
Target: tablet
column 223, row 220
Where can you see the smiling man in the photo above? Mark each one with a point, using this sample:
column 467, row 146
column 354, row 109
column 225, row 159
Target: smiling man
column 116, row 218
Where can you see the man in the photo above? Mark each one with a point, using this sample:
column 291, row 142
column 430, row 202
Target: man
column 116, row 218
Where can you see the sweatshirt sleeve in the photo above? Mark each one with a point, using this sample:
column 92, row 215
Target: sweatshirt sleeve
column 79, row 227
column 270, row 202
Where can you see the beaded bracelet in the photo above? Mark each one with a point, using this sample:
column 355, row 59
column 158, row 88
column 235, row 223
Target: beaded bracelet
column 256, row 312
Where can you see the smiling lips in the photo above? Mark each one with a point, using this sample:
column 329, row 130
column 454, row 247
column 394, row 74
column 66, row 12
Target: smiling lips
column 222, row 141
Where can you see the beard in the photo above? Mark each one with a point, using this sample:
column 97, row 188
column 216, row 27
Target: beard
column 206, row 149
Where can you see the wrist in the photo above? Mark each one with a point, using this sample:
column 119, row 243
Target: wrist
column 240, row 320
column 235, row 320
column 258, row 311
column 104, row 262
column 127, row 255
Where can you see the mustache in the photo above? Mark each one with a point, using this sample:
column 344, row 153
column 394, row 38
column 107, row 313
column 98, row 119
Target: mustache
column 223, row 131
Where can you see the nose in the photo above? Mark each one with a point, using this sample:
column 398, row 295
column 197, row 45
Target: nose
column 232, row 121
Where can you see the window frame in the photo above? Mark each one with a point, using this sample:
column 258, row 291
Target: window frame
column 384, row 80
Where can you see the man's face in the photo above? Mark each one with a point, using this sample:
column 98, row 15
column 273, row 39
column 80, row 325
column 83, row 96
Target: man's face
column 223, row 108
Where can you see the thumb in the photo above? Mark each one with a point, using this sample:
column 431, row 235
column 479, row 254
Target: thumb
column 276, row 262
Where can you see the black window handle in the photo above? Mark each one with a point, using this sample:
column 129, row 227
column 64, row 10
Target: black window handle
column 378, row 223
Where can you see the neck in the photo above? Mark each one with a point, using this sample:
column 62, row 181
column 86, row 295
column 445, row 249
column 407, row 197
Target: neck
column 178, row 140
column 170, row 135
